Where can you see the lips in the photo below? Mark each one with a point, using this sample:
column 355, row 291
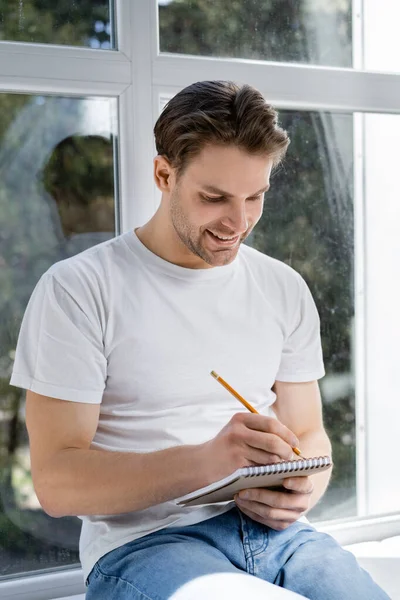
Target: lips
column 230, row 242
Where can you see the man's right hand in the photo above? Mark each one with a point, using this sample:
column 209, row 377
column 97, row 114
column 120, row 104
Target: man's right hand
column 248, row 439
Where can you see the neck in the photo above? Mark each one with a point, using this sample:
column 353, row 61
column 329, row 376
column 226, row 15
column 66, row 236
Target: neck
column 160, row 237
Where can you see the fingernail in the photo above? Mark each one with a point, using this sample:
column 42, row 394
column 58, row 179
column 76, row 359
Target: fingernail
column 243, row 496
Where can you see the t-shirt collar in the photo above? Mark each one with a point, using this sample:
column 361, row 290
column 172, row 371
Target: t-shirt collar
column 168, row 268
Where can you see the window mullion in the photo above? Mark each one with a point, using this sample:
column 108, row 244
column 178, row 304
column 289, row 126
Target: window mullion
column 288, row 85
column 52, row 69
column 136, row 121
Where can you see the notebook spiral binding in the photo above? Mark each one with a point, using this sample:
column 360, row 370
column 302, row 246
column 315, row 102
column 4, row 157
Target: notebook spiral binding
column 304, row 464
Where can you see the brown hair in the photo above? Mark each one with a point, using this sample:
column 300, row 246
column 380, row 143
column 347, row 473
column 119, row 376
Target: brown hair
column 218, row 112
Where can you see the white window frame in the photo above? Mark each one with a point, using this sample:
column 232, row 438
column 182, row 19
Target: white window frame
column 138, row 76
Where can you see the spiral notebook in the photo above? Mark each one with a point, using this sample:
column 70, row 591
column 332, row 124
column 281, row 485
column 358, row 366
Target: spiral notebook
column 265, row 476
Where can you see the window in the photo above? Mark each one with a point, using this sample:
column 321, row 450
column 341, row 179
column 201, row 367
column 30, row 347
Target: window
column 56, row 199
column 45, row 22
column 339, row 33
column 278, row 30
column 332, row 211
column 346, row 165
column 311, row 228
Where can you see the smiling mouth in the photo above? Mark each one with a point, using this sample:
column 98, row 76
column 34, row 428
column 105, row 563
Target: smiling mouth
column 228, row 241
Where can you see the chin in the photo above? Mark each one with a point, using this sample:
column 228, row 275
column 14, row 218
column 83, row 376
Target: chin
column 223, row 258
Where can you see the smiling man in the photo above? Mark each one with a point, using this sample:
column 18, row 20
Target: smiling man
column 115, row 350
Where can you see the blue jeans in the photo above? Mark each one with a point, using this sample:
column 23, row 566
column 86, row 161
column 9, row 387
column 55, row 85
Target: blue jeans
column 299, row 559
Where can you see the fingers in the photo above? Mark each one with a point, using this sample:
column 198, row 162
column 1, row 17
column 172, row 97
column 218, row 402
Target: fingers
column 275, row 509
column 261, row 457
column 268, row 443
column 278, row 525
column 272, row 499
column 301, row 485
column 265, row 434
column 270, row 425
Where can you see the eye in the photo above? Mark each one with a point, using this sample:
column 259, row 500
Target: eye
column 255, row 198
column 215, row 199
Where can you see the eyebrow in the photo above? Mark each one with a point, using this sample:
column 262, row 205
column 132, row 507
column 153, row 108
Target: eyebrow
column 214, row 190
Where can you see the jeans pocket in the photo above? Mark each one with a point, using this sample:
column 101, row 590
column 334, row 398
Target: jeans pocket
column 90, row 576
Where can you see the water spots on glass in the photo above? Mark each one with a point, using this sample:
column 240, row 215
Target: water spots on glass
column 308, row 224
column 94, row 43
column 21, row 15
column 347, row 439
column 278, row 30
column 99, row 26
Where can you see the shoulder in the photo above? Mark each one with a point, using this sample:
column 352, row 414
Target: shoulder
column 92, row 267
column 87, row 280
column 278, row 284
column 270, row 269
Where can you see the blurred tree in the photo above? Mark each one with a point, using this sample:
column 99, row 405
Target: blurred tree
column 84, row 23
column 29, row 244
column 278, row 30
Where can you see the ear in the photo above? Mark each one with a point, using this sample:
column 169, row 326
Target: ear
column 164, row 174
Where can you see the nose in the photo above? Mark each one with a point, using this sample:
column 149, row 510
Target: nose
column 236, row 219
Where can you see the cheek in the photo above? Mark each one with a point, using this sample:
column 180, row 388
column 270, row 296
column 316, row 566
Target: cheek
column 254, row 212
column 208, row 215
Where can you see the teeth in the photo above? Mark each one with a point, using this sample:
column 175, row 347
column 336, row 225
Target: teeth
column 224, row 238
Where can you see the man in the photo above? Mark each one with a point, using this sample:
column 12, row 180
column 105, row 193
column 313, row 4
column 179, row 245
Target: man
column 116, row 348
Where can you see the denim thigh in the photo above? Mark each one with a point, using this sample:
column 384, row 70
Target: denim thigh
column 155, row 566
column 299, row 559
column 314, row 565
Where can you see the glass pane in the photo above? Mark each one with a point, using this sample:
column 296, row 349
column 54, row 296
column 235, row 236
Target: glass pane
column 58, row 22
column 306, row 31
column 56, row 199
column 382, row 291
column 381, row 41
column 308, row 224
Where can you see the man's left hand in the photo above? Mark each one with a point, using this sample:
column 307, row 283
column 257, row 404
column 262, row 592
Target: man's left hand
column 277, row 509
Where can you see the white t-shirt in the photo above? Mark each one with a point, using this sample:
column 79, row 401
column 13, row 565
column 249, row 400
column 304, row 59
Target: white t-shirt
column 119, row 326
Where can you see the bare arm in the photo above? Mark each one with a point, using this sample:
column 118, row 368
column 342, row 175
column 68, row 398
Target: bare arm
column 71, row 478
column 299, row 407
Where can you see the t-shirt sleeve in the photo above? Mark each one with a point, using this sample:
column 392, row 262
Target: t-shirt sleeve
column 301, row 358
column 60, row 349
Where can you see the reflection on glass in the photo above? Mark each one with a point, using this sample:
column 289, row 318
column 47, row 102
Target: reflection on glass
column 56, row 199
column 308, row 223
column 54, row 22
column 305, row 31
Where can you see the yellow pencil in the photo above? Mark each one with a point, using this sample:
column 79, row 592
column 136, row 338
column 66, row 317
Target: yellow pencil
column 242, row 400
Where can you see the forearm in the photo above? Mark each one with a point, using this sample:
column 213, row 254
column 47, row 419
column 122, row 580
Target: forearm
column 316, row 444
column 90, row 482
